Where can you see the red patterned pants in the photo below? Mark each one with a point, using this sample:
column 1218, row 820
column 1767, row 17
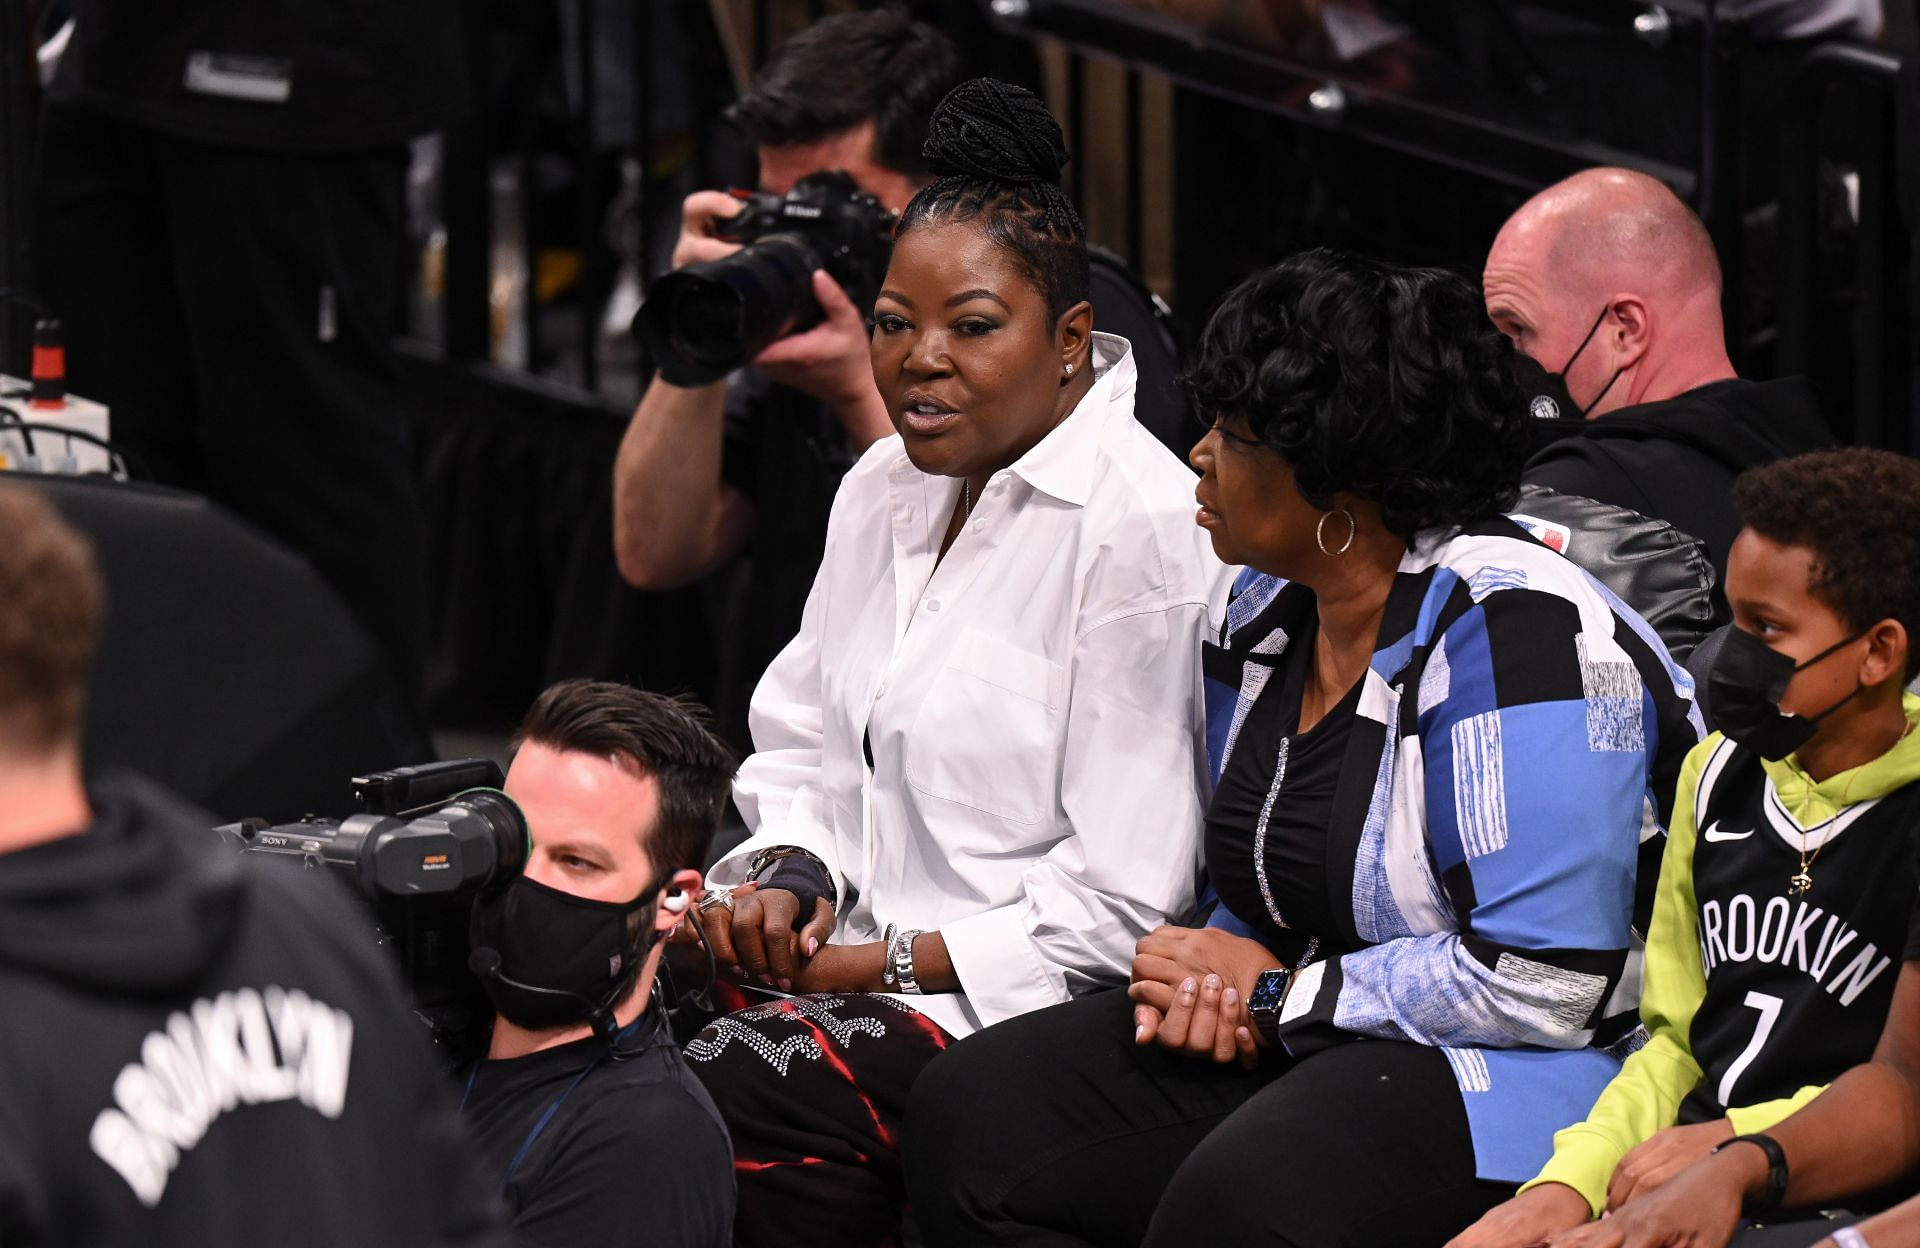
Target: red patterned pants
column 814, row 1091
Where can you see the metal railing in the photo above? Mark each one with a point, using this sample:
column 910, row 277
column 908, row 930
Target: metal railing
column 497, row 230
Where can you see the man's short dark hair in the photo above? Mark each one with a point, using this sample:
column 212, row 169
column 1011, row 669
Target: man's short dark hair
column 1370, row 379
column 668, row 738
column 51, row 603
column 848, row 68
column 1858, row 511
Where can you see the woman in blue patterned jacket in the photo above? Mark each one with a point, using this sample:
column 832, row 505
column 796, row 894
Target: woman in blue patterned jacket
column 1439, row 750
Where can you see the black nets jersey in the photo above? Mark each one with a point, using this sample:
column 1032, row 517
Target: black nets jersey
column 1798, row 982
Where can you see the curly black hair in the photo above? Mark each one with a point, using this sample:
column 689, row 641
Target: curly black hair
column 1858, row 511
column 1382, row 382
column 999, row 153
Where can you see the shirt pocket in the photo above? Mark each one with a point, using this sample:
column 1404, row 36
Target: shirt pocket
column 988, row 735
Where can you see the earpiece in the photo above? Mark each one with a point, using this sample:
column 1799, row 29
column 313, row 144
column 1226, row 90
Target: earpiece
column 676, row 902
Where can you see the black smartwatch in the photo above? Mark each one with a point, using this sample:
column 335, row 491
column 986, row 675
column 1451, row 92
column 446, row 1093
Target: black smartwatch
column 1776, row 1190
column 1264, row 1002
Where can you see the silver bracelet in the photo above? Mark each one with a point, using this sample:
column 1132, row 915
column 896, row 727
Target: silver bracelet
column 1848, row 1237
column 886, row 965
column 900, row 961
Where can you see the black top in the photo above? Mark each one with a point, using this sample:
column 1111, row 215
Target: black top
column 1295, row 840
column 787, row 453
column 1675, row 460
column 202, row 1047
column 275, row 75
column 1798, row 985
column 633, row 1153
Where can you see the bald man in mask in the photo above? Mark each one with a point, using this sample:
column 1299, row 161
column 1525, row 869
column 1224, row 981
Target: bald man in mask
column 1610, row 290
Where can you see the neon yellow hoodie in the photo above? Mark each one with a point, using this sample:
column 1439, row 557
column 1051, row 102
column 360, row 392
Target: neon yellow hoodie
column 1644, row 1098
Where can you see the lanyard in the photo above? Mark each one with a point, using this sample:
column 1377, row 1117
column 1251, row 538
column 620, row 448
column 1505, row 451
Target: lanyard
column 546, row 1117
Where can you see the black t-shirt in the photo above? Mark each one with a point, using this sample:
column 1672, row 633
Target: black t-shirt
column 585, row 1150
column 786, row 452
column 1296, row 806
column 1798, row 985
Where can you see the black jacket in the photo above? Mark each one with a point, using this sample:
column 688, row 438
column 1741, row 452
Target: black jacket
column 199, row 1048
column 1676, row 460
column 278, row 75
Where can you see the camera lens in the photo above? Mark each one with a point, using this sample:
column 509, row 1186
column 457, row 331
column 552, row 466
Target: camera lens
column 706, row 320
column 506, row 828
column 706, row 317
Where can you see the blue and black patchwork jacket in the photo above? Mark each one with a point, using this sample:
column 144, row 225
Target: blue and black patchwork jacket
column 1508, row 778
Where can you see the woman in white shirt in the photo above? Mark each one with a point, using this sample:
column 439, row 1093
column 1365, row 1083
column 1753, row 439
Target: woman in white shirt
column 980, row 767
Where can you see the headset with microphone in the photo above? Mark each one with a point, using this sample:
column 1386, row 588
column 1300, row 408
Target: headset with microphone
column 486, row 963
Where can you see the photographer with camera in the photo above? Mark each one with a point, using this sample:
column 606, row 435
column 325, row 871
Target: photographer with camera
column 710, row 468
column 583, row 1101
column 197, row 1047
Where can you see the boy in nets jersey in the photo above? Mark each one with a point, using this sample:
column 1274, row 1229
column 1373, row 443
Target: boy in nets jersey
column 1785, row 900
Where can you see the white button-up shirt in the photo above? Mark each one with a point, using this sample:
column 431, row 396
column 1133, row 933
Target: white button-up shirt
column 1032, row 702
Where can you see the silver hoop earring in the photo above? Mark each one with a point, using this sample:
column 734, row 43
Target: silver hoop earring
column 1320, row 532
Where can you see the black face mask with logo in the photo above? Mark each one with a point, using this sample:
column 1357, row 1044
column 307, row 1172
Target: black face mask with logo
column 557, row 959
column 1546, row 393
column 1744, row 689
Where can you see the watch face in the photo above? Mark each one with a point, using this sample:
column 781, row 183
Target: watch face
column 1268, row 991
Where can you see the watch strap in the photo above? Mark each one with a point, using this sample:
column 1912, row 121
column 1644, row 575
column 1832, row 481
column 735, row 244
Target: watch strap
column 1776, row 1190
column 900, row 961
column 1265, row 1002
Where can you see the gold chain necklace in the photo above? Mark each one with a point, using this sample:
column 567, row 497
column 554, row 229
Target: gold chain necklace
column 1803, row 878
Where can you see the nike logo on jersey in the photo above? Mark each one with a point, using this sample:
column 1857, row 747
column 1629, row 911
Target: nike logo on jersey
column 1713, row 833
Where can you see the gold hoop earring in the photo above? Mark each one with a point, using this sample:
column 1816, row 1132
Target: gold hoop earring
column 1320, row 532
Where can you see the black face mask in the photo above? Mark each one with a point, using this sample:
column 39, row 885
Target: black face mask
column 1546, row 393
column 1744, row 689
column 559, row 959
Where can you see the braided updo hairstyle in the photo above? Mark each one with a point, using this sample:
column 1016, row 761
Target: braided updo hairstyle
column 999, row 153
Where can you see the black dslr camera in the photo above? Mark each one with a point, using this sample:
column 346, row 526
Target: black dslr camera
column 705, row 320
column 430, row 838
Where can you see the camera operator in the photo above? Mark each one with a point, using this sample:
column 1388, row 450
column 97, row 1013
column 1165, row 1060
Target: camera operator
column 752, row 463
column 583, row 1109
column 196, row 1047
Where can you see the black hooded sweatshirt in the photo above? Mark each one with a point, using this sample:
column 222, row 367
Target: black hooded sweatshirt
column 1676, row 460
column 201, row 1048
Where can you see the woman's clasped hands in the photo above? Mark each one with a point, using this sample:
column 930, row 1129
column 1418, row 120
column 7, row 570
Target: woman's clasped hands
column 1190, row 988
column 757, row 935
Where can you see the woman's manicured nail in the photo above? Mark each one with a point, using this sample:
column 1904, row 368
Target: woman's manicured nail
column 813, row 945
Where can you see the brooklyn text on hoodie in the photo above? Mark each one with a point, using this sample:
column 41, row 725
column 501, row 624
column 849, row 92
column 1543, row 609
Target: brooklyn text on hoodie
column 242, row 1047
